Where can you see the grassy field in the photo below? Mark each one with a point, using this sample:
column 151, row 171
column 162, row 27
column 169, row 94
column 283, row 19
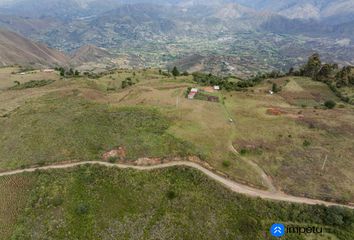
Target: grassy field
column 292, row 146
column 9, row 75
column 93, row 202
column 62, row 127
column 81, row 118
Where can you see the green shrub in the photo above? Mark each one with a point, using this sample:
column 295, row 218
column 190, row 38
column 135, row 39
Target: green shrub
column 31, row 84
column 306, row 143
column 226, row 163
column 243, row 151
column 112, row 159
column 330, row 104
column 82, row 209
column 171, row 194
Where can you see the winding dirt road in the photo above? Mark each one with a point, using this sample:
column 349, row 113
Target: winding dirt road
column 234, row 186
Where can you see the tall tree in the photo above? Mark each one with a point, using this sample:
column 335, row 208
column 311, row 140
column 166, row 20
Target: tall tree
column 175, row 72
column 313, row 66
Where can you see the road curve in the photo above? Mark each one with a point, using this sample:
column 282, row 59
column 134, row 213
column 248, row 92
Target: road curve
column 232, row 185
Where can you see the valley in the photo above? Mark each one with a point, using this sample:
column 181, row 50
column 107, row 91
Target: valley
column 176, row 119
column 159, row 35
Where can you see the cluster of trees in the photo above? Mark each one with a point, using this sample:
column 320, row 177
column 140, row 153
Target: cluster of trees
column 31, row 84
column 330, row 74
column 226, row 84
column 127, row 82
column 67, row 72
column 176, row 73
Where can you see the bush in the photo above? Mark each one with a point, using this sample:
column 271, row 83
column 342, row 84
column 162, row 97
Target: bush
column 82, row 209
column 31, row 84
column 243, row 151
column 306, row 143
column 330, row 104
column 226, row 163
column 112, row 159
column 171, row 195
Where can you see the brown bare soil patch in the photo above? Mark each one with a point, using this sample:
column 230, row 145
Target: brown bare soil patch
column 119, row 153
column 275, row 111
column 91, row 94
column 209, row 89
column 253, row 145
column 291, row 97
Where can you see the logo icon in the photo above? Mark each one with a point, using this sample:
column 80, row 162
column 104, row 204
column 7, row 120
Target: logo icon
column 277, row 230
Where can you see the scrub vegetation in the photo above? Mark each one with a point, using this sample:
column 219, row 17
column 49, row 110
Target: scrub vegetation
column 93, row 202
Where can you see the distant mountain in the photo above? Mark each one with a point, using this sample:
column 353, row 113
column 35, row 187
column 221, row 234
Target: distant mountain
column 15, row 49
column 311, row 27
column 264, row 34
column 305, row 9
column 60, row 9
column 89, row 53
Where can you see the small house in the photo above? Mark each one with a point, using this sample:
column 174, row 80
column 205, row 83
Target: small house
column 191, row 95
column 216, row 88
column 48, row 70
column 194, row 90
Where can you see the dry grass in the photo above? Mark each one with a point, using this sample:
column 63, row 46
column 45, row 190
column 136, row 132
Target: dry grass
column 276, row 143
column 9, row 75
column 14, row 193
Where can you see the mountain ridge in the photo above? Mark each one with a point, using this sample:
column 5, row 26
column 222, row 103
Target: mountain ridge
column 16, row 49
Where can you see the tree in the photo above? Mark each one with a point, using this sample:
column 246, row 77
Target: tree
column 77, row 73
column 313, row 66
column 325, row 72
column 62, row 71
column 124, row 84
column 330, row 104
column 175, row 72
column 291, row 71
column 275, row 88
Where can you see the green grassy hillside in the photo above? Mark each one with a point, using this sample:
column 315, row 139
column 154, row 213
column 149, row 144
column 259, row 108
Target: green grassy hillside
column 81, row 118
column 92, row 202
column 66, row 127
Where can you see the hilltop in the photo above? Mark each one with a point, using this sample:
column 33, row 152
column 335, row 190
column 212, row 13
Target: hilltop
column 288, row 141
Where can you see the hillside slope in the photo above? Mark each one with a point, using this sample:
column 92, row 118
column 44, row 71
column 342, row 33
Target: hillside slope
column 89, row 53
column 15, row 49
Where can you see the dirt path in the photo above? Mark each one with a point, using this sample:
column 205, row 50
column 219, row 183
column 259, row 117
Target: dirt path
column 234, row 186
column 266, row 180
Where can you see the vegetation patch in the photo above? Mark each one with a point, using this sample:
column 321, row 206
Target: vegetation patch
column 31, row 84
column 174, row 203
column 67, row 127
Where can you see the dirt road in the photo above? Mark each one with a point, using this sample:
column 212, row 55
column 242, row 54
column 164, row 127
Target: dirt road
column 234, row 186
